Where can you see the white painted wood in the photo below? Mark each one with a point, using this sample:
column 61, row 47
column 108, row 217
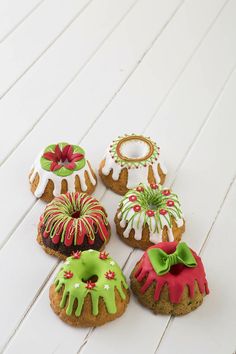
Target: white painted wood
column 97, row 83
column 33, row 37
column 212, row 328
column 185, row 83
column 13, row 13
column 47, row 79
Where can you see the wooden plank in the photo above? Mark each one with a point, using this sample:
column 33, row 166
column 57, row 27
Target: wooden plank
column 31, row 40
column 45, row 82
column 120, row 252
column 13, row 13
column 28, row 228
column 97, row 83
column 212, row 327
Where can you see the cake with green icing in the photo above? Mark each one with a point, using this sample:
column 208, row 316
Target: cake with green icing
column 89, row 290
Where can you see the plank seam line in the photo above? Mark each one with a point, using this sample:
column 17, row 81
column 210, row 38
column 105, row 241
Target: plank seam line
column 21, row 21
column 188, row 61
column 71, row 21
column 108, row 103
column 61, row 93
column 171, row 319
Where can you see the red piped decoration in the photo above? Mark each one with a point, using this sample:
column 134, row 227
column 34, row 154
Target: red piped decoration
column 166, row 192
column 154, row 185
column 150, row 213
column 59, row 156
column 132, row 198
column 68, row 274
column 176, row 280
column 90, row 285
column 110, row 275
column 103, row 255
column 163, row 211
column 170, row 203
column 137, row 208
column 139, row 189
column 76, row 255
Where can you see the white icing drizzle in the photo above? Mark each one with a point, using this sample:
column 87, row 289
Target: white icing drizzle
column 45, row 176
column 136, row 174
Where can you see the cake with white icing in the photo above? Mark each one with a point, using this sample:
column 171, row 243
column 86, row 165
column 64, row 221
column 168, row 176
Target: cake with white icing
column 61, row 168
column 130, row 160
column 149, row 214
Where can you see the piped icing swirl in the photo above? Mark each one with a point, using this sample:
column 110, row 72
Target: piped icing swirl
column 176, row 278
column 59, row 162
column 153, row 206
column 136, row 153
column 71, row 217
column 90, row 272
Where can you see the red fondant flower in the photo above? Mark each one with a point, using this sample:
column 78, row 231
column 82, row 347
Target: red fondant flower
column 137, row 208
column 76, row 255
column 58, row 157
column 150, row 213
column 103, row 255
column 110, row 275
column 140, row 189
column 90, row 285
column 162, row 211
column 154, row 185
column 166, row 192
column 170, row 203
column 132, row 198
column 68, row 274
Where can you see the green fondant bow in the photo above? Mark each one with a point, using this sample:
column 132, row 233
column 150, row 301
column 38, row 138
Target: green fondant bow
column 161, row 261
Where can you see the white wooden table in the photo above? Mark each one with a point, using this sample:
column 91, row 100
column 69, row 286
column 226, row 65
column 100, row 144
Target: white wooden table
column 85, row 71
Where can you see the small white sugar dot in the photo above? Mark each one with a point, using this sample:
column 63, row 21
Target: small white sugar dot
column 90, row 250
column 77, row 285
column 112, row 263
column 106, row 287
column 67, row 262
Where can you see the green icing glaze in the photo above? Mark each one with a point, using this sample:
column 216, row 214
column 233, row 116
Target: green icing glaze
column 63, row 171
column 88, row 265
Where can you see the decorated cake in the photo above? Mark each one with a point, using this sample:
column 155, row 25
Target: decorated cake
column 170, row 279
column 60, row 168
column 89, row 290
column 130, row 160
column 73, row 222
column 149, row 214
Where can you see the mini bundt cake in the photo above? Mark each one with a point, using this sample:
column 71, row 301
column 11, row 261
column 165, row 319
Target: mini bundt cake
column 149, row 214
column 130, row 160
column 73, row 222
column 89, row 290
column 60, row 168
column 170, row 279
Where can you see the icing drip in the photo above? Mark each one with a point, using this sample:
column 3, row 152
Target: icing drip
column 61, row 224
column 143, row 153
column 75, row 277
column 151, row 205
column 178, row 277
column 45, row 176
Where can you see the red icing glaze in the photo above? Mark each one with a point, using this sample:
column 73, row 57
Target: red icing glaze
column 92, row 220
column 176, row 279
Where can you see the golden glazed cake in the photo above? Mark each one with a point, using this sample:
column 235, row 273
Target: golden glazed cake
column 130, row 160
column 61, row 168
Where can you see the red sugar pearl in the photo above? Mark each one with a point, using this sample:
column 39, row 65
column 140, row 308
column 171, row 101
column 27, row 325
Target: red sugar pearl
column 140, row 189
column 154, row 185
column 132, row 198
column 162, row 211
column 150, row 213
column 137, row 208
column 166, row 192
column 170, row 203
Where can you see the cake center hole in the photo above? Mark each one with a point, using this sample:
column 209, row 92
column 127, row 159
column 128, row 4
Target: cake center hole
column 76, row 214
column 64, row 163
column 92, row 278
column 134, row 149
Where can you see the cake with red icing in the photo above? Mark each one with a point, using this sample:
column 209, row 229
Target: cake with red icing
column 73, row 222
column 61, row 168
column 170, row 279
